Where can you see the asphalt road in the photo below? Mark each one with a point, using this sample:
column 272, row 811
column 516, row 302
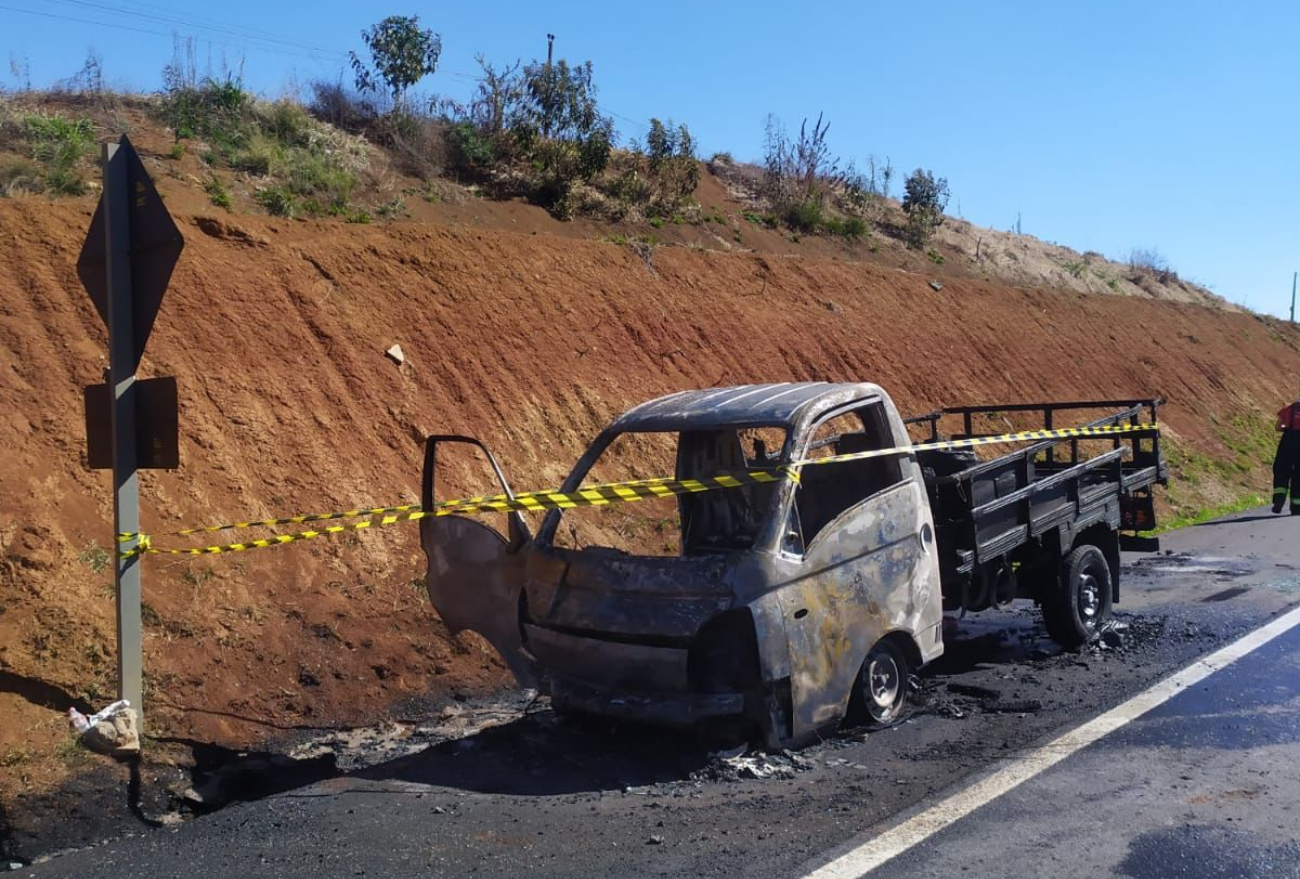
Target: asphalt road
column 1200, row 783
column 1202, row 787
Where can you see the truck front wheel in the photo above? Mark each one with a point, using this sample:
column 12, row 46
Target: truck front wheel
column 881, row 691
column 1075, row 610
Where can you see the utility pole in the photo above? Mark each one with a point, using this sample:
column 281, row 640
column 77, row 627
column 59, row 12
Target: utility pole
column 550, row 84
column 1293, row 277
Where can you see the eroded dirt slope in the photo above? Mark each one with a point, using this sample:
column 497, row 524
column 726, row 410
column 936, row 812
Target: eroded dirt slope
column 276, row 331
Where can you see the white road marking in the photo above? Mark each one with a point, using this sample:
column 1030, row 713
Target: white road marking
column 924, row 820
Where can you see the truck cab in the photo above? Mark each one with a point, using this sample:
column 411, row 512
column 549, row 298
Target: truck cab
column 802, row 595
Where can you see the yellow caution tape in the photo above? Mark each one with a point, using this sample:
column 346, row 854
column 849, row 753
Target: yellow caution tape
column 311, row 517
column 591, row 496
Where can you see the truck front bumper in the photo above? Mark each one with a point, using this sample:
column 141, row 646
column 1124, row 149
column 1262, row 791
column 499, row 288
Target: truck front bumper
column 670, row 709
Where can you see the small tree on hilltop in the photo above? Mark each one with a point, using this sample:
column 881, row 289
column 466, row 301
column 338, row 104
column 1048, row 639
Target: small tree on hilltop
column 670, row 153
column 799, row 174
column 496, row 97
column 402, row 54
column 561, row 129
column 924, row 201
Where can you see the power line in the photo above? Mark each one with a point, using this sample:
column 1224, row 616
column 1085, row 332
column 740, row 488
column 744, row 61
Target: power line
column 222, row 29
column 203, row 20
column 277, row 44
column 138, row 30
column 159, row 33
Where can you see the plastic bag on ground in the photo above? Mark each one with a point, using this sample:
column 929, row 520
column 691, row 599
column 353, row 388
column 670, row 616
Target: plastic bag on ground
column 113, row 730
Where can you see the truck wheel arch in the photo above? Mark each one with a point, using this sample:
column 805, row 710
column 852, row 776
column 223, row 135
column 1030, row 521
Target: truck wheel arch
column 855, row 707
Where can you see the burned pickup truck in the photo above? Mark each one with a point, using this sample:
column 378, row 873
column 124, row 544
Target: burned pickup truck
column 805, row 591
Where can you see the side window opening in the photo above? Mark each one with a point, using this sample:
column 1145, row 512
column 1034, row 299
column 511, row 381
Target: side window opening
column 701, row 523
column 827, row 490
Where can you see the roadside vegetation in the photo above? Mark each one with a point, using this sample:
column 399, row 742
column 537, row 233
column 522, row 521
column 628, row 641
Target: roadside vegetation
column 924, row 201
column 359, row 146
column 297, row 165
column 54, row 147
column 532, row 130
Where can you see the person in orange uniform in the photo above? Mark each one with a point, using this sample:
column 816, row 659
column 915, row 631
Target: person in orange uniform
column 1286, row 463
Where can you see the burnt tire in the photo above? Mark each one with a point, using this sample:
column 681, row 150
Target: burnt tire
column 1075, row 610
column 880, row 692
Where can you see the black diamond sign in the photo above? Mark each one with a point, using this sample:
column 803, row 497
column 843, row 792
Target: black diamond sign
column 155, row 246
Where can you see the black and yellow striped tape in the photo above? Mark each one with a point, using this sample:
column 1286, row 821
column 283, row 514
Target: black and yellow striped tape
column 310, row 517
column 590, row 496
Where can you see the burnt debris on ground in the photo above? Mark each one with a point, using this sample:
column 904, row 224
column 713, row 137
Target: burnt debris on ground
column 1219, row 567
column 998, row 667
column 948, row 689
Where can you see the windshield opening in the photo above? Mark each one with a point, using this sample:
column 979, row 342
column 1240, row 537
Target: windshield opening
column 698, row 523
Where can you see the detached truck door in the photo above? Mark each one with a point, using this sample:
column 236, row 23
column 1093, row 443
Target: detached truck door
column 476, row 574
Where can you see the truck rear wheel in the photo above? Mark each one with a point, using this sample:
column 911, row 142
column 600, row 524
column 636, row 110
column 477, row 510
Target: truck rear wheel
column 1075, row 610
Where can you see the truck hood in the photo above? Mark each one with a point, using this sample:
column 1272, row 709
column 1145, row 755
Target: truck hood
column 607, row 592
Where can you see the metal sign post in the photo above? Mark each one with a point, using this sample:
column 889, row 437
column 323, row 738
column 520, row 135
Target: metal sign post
column 125, row 265
column 122, row 361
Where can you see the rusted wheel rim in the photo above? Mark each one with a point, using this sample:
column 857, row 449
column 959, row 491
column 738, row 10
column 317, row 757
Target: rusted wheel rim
column 1089, row 599
column 883, row 681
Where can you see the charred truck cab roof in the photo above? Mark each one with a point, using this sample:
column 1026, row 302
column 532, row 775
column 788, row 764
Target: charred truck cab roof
column 787, row 602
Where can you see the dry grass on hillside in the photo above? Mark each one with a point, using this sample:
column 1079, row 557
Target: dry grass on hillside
column 989, row 254
column 286, row 162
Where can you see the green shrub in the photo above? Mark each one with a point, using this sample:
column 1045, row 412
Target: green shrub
column 805, row 215
column 260, row 156
column 309, row 168
column 217, row 192
column 218, row 112
column 808, row 189
column 799, row 173
column 560, row 130
column 59, row 144
column 95, row 557
column 306, row 173
column 924, row 200
column 278, row 200
column 286, row 123
column 390, row 209
column 630, row 187
column 850, row 228
column 20, row 176
column 470, row 149
column 670, row 155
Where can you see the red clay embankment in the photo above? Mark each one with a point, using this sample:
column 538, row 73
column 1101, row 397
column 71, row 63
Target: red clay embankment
column 276, row 332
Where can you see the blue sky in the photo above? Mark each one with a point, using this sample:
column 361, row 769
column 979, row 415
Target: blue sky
column 1104, row 125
